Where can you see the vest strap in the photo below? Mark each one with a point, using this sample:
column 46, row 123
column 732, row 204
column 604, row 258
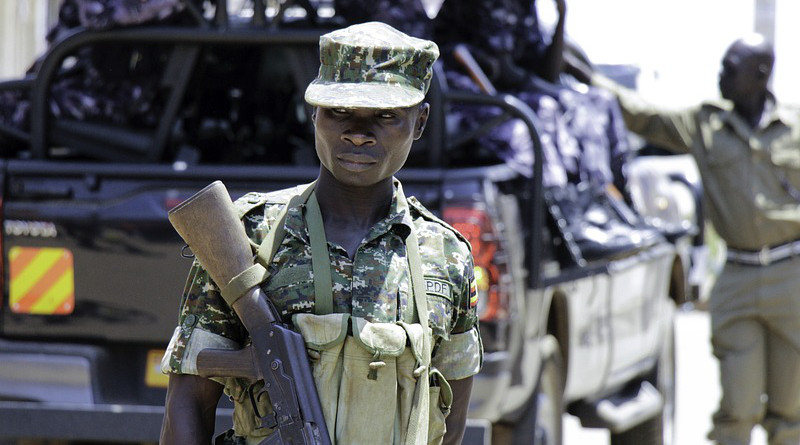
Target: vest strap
column 320, row 258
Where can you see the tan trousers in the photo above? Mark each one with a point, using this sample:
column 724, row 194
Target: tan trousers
column 755, row 333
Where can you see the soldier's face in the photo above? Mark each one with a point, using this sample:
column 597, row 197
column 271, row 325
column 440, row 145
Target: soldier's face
column 364, row 146
column 739, row 76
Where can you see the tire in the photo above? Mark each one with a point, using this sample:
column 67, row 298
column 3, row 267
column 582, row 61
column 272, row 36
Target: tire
column 659, row 430
column 541, row 424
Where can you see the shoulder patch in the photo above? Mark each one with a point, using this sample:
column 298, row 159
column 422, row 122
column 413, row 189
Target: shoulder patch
column 426, row 214
column 440, row 287
column 248, row 202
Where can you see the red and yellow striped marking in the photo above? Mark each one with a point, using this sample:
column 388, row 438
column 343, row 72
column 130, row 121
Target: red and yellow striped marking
column 42, row 281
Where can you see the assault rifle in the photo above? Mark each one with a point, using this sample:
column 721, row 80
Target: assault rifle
column 209, row 224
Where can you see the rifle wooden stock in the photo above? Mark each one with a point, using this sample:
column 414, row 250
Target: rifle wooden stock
column 227, row 363
column 210, row 225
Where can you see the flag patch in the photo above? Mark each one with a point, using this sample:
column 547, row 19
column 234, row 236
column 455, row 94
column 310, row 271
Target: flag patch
column 473, row 293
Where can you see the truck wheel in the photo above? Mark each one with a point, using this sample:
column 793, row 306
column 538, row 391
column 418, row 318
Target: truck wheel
column 659, row 430
column 542, row 422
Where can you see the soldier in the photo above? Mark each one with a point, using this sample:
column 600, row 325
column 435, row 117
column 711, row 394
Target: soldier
column 408, row 16
column 368, row 109
column 747, row 151
column 583, row 142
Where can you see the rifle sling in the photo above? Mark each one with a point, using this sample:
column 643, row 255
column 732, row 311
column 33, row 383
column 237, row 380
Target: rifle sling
column 268, row 248
column 240, row 284
column 256, row 274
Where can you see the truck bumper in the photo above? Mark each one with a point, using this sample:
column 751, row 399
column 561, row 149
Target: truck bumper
column 107, row 423
column 54, row 391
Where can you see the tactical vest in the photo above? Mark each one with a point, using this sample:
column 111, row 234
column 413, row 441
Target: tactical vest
column 374, row 380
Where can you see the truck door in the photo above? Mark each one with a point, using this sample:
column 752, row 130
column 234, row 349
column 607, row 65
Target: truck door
column 90, row 252
column 640, row 286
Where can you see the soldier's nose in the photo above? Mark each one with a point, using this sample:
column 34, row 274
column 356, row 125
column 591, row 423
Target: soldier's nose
column 359, row 138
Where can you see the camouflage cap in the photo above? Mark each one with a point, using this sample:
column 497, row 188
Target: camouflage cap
column 372, row 65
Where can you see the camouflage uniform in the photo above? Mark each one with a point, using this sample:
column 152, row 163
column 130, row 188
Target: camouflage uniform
column 374, row 285
column 117, row 83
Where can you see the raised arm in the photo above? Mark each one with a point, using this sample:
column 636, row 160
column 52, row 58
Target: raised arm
column 674, row 130
column 552, row 60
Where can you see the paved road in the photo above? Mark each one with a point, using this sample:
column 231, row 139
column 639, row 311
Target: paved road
column 697, row 389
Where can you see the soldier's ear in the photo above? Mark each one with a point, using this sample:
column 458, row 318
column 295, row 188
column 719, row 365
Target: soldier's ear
column 763, row 70
column 422, row 120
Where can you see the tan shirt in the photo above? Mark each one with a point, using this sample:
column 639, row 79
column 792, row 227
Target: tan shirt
column 751, row 176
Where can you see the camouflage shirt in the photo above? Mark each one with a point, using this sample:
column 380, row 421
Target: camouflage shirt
column 375, row 284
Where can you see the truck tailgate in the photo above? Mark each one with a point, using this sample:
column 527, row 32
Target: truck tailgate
column 89, row 252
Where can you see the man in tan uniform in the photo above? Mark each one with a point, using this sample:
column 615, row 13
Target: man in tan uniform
column 748, row 151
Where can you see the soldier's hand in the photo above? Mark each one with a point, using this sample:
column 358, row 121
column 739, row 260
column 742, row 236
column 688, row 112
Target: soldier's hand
column 561, row 5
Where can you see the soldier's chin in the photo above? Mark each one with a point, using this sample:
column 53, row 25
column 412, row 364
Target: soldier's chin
column 353, row 179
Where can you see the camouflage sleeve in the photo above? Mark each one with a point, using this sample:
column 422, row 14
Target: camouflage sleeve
column 205, row 321
column 461, row 356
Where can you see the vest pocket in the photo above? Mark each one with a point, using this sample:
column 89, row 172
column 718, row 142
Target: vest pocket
column 245, row 422
column 372, row 387
column 441, row 400
column 368, row 397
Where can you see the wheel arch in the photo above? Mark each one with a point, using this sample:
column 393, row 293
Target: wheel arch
column 679, row 282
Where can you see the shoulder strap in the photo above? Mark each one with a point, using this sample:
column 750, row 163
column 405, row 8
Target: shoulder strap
column 418, row 306
column 417, row 277
column 323, row 290
column 320, row 258
column 268, row 248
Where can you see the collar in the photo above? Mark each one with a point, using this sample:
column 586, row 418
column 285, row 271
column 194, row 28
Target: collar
column 772, row 114
column 398, row 219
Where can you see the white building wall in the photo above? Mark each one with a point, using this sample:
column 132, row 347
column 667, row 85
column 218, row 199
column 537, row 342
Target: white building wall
column 23, row 27
column 678, row 44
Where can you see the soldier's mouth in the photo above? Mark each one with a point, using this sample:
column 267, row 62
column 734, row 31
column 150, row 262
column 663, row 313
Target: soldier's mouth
column 356, row 162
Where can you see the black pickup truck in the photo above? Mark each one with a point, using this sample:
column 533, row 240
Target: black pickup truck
column 92, row 270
